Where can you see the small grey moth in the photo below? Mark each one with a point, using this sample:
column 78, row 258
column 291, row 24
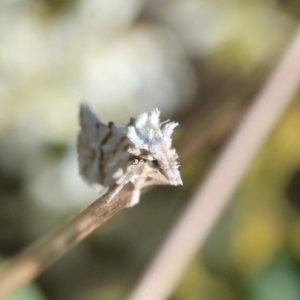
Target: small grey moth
column 106, row 152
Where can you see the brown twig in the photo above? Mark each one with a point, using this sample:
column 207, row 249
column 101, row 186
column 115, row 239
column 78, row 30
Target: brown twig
column 32, row 261
column 209, row 200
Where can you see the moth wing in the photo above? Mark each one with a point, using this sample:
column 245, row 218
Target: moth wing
column 90, row 137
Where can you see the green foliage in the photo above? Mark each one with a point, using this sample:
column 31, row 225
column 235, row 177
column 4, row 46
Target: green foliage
column 30, row 292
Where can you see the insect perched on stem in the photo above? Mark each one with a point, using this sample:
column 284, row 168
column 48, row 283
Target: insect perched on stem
column 107, row 154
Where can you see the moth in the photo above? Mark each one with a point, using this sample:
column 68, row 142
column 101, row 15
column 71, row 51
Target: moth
column 106, row 153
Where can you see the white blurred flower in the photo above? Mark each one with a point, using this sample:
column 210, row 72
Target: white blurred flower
column 92, row 52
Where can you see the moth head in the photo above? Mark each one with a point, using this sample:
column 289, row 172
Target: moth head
column 152, row 141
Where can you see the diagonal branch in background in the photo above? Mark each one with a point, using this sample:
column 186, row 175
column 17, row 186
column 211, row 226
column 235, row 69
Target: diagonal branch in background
column 210, row 200
column 36, row 258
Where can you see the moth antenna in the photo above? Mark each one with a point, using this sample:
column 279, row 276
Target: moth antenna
column 131, row 122
column 111, row 125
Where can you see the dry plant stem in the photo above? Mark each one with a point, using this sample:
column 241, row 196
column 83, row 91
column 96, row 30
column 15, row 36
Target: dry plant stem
column 209, row 200
column 36, row 258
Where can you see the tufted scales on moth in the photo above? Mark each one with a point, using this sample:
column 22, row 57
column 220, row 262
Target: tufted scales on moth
column 106, row 152
column 154, row 143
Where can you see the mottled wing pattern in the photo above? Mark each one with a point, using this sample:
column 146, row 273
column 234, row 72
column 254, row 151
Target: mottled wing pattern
column 98, row 147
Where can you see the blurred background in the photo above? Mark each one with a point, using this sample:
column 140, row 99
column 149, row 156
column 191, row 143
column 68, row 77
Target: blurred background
column 201, row 62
